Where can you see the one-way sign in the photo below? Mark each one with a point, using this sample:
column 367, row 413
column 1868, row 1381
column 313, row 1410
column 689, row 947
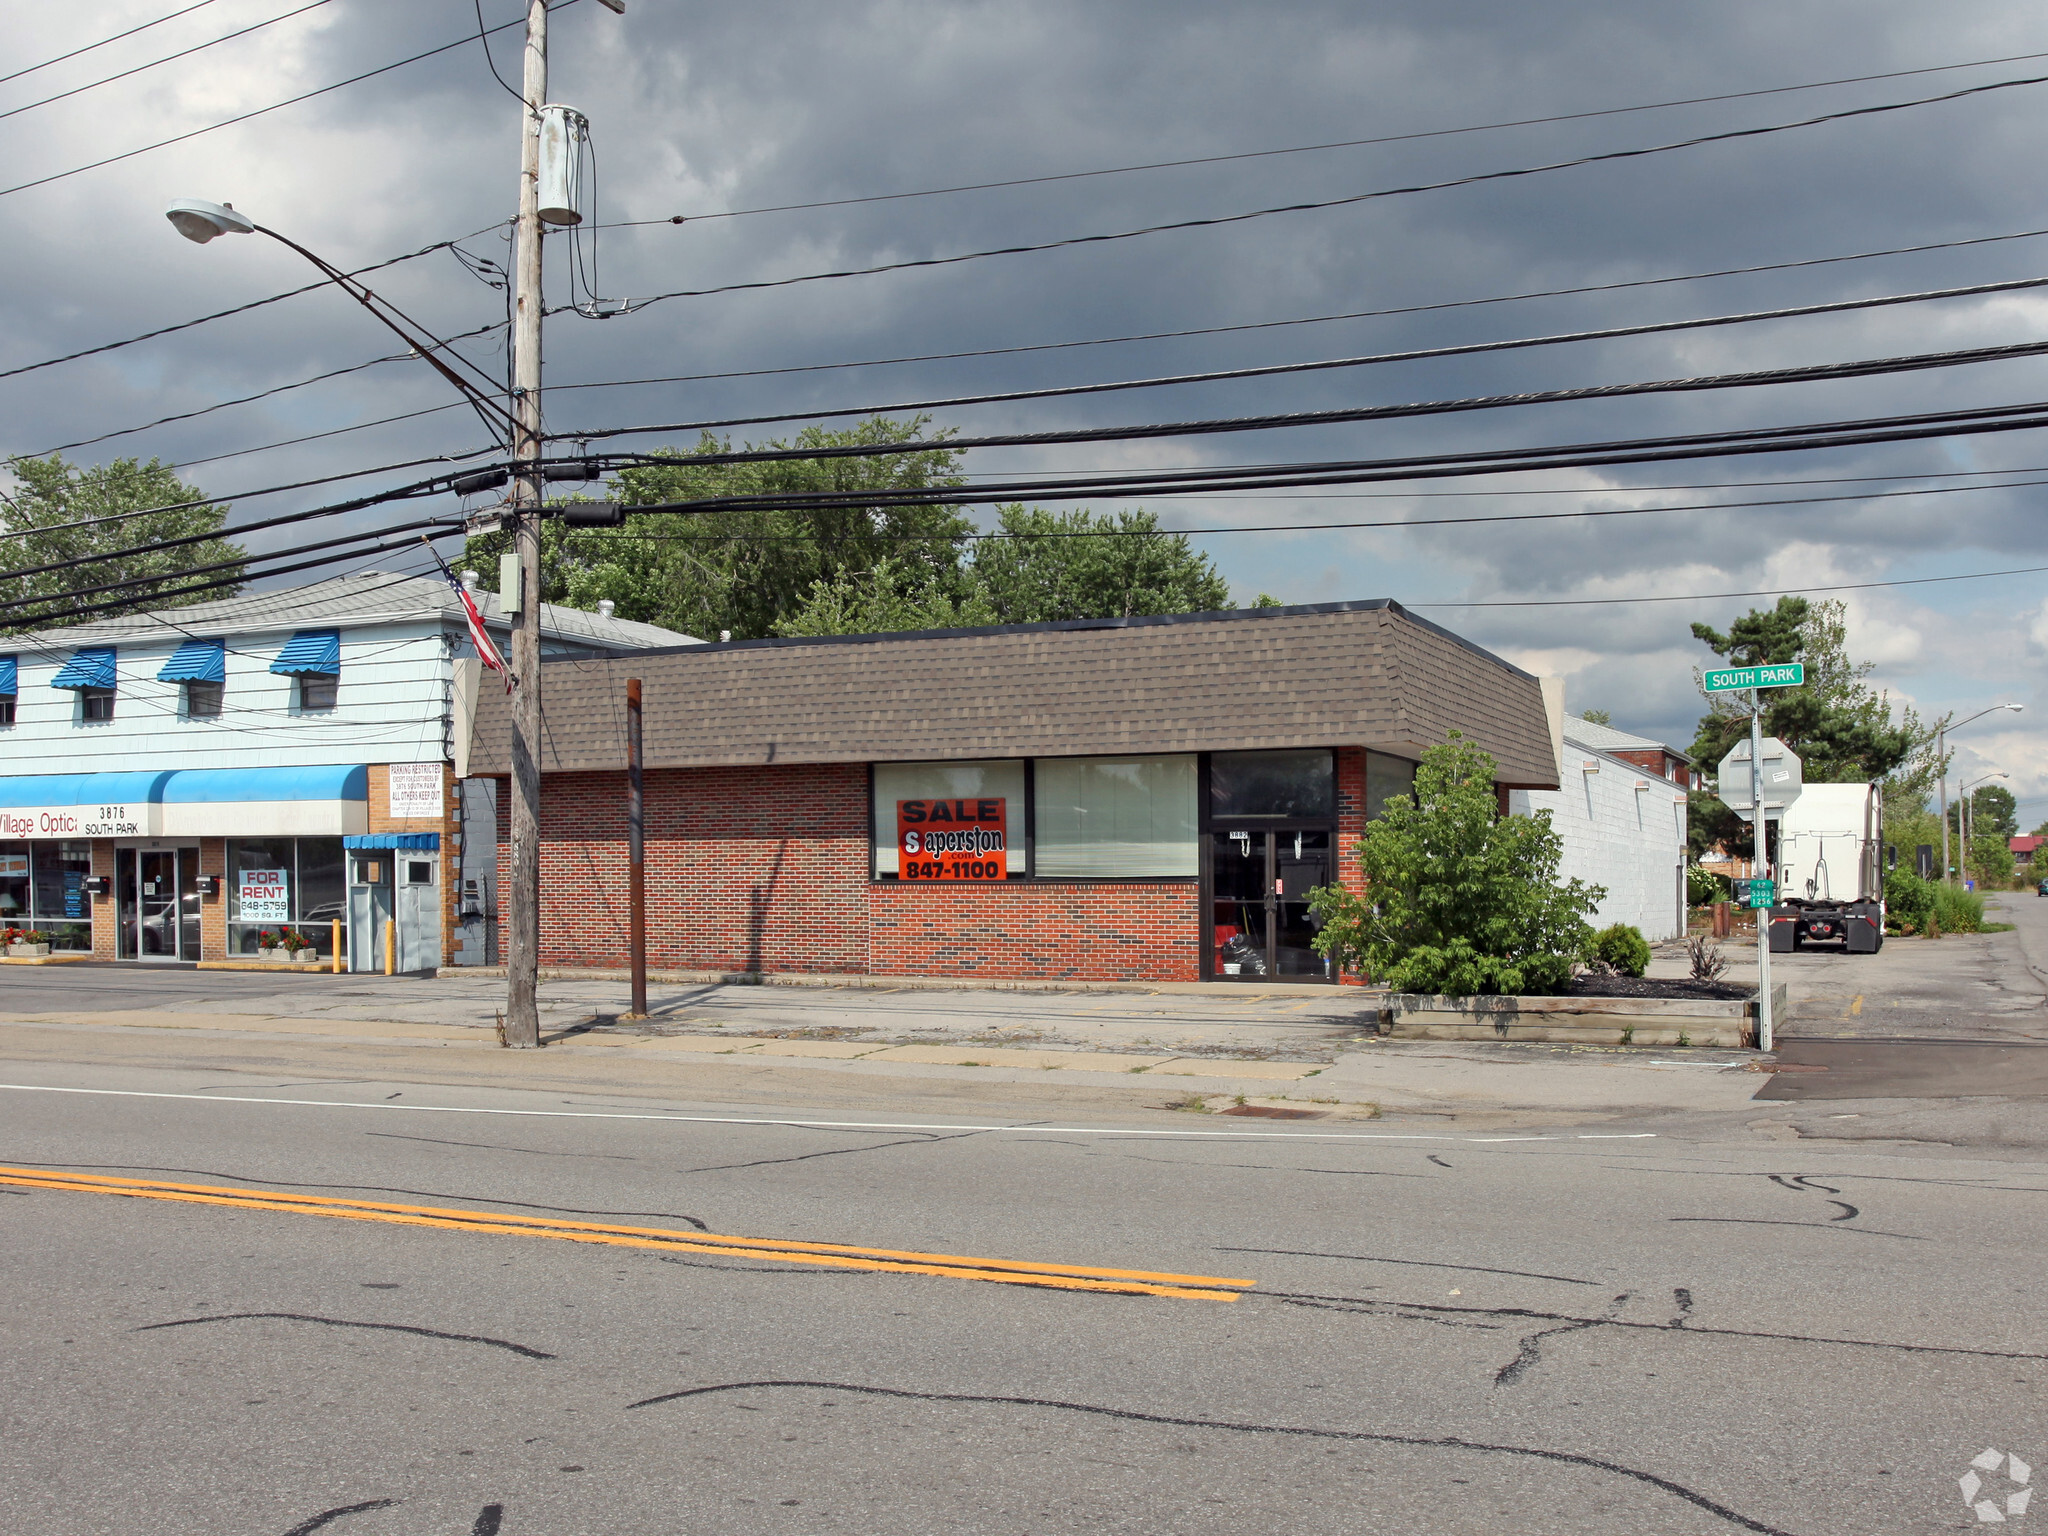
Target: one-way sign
column 1731, row 679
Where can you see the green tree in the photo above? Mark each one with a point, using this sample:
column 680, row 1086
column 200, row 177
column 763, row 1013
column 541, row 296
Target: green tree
column 1990, row 858
column 1458, row 898
column 1993, row 812
column 48, row 491
column 886, row 597
column 1596, row 717
column 1841, row 727
column 745, row 569
column 1088, row 565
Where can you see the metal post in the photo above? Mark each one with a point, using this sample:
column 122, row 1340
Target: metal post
column 1941, row 759
column 522, row 897
column 636, row 852
column 1757, row 865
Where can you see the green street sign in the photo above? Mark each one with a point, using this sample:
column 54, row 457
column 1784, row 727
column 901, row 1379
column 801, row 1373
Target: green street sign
column 1731, row 679
column 1757, row 893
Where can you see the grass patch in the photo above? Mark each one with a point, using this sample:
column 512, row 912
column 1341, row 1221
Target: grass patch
column 1193, row 1104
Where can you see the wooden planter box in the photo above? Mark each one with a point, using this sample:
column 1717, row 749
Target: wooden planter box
column 1658, row 1021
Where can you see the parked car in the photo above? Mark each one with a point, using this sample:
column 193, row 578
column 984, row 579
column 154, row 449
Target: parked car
column 2041, row 889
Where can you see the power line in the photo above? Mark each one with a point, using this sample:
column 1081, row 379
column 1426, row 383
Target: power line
column 313, row 5
column 1701, row 597
column 1270, row 370
column 1218, row 220
column 239, row 309
column 88, row 48
column 1802, row 374
column 1305, row 149
column 421, row 487
column 291, row 101
column 1805, row 437
column 1316, row 527
column 483, row 36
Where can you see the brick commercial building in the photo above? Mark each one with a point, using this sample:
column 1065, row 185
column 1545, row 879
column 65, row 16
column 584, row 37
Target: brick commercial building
column 1135, row 799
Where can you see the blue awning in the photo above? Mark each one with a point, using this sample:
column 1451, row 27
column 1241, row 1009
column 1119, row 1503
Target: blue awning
column 230, row 786
column 92, row 667
column 399, row 842
column 10, row 677
column 39, row 789
column 314, row 652
column 197, row 661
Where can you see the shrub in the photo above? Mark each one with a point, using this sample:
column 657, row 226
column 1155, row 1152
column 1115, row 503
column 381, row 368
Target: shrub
column 1458, row 898
column 1958, row 910
column 1703, row 887
column 1907, row 898
column 1623, row 947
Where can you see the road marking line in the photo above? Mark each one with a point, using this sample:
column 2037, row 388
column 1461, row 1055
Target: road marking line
column 828, row 1125
column 1856, row 1007
column 835, row 1255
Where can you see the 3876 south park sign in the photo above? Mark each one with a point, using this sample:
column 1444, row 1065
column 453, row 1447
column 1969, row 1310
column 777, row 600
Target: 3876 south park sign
column 952, row 839
column 81, row 821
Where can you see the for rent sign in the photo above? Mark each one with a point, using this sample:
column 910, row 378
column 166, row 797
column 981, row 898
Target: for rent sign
column 952, row 839
column 263, row 896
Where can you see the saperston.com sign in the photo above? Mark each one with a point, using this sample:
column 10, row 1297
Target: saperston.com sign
column 952, row 839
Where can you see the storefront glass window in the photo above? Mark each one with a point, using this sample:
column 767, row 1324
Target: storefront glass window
column 947, row 781
column 1292, row 784
column 1106, row 817
column 285, row 882
column 14, row 909
column 261, row 883
column 1385, row 777
column 63, row 907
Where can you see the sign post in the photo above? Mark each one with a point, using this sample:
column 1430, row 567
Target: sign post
column 1754, row 680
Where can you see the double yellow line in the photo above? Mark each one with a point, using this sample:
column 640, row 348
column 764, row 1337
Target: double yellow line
column 1066, row 1277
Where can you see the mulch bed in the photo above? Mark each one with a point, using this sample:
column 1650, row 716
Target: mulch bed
column 1655, row 986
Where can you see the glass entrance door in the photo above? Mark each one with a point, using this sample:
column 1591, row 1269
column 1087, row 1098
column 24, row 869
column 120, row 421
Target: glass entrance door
column 1259, row 880
column 158, row 896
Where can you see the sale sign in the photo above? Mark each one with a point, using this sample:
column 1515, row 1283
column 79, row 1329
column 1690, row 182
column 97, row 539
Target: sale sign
column 952, row 839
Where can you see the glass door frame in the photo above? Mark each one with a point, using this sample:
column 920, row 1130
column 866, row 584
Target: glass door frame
column 1268, row 830
column 183, row 905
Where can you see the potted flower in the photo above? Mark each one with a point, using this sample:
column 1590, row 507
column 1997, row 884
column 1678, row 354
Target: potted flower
column 266, row 945
column 297, row 948
column 32, row 944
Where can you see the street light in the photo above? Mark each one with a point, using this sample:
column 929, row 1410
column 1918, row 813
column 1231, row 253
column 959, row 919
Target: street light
column 1941, row 760
column 200, row 221
column 1969, row 816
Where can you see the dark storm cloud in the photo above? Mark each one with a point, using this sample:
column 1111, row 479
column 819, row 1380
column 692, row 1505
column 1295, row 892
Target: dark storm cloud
column 699, row 110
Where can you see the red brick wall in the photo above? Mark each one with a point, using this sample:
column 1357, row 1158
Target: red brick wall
column 1093, row 931
column 1350, row 827
column 766, row 869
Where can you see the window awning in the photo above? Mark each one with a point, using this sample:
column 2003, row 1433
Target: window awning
column 249, row 786
column 397, row 842
column 10, row 676
column 92, row 667
column 311, row 653
column 197, row 661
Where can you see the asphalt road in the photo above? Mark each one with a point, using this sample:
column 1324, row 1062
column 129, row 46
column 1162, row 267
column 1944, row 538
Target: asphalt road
column 1415, row 1330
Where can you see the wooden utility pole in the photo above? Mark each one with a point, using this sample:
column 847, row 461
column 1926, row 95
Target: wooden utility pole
column 521, row 899
column 636, row 852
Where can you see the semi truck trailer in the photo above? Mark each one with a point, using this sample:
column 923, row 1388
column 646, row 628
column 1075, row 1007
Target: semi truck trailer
column 1830, row 870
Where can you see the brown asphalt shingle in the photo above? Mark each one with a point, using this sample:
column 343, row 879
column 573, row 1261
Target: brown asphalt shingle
column 1349, row 674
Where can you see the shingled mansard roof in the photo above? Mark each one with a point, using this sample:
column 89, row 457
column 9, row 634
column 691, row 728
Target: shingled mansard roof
column 1365, row 674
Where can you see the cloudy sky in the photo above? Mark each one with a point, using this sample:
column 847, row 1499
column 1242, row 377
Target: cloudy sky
column 714, row 113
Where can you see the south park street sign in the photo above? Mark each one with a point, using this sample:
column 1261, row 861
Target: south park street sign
column 1790, row 674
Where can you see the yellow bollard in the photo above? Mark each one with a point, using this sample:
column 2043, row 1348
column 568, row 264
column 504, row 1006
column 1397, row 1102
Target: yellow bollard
column 336, row 950
column 390, row 946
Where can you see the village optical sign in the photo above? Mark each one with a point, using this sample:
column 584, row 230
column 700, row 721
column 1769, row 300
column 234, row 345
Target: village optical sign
column 145, row 820
column 944, row 840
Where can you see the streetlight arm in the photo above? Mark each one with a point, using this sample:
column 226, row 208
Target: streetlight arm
column 495, row 416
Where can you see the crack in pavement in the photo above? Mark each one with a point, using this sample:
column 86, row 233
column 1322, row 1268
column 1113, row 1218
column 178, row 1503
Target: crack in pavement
column 804, row 1157
column 328, row 1516
column 1825, row 1226
column 1531, row 1353
column 1367, row 1258
column 1354, row 1436
column 343, row 1322
column 492, row 1146
column 1407, row 1310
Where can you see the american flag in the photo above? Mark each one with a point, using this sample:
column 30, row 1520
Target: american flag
column 486, row 648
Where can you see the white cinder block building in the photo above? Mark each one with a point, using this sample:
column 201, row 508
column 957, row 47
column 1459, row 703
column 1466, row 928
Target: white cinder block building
column 1622, row 821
